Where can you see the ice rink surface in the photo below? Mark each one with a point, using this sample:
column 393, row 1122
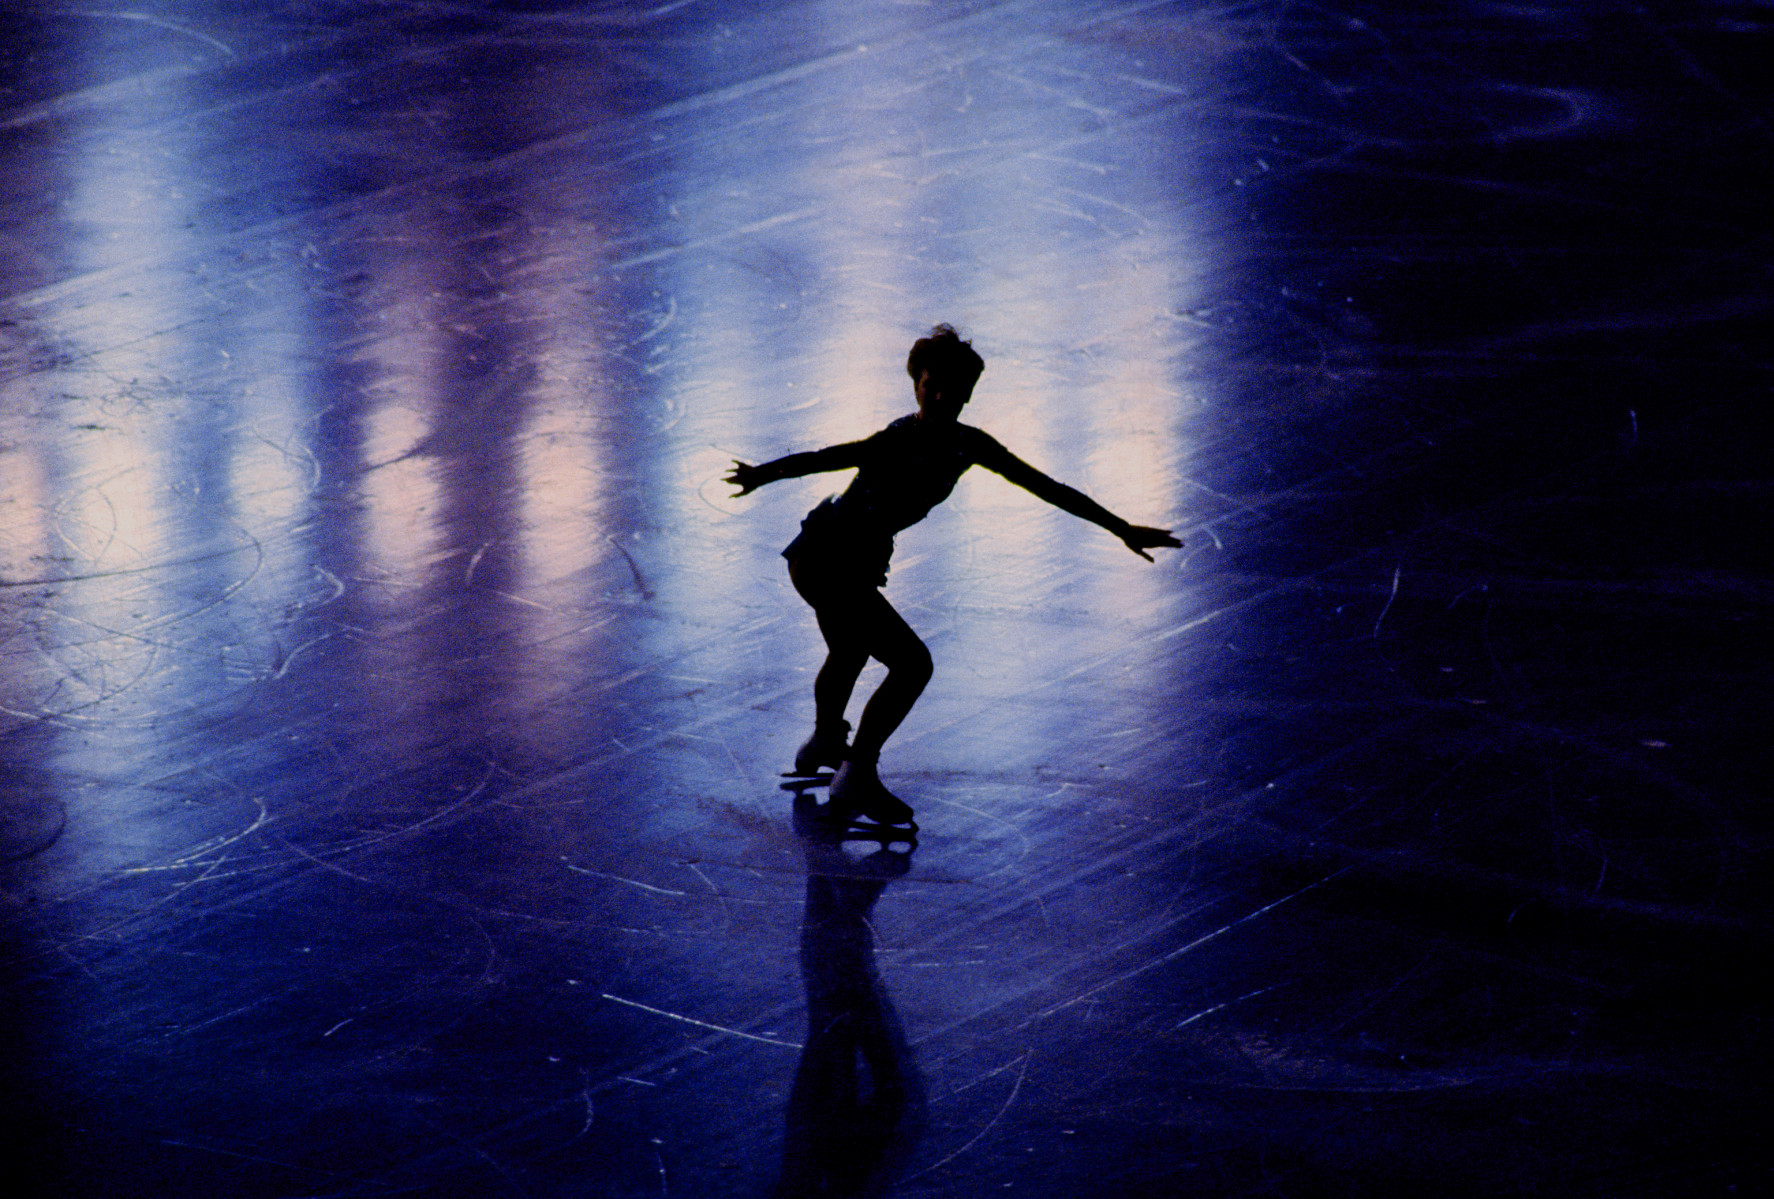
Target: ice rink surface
column 393, row 699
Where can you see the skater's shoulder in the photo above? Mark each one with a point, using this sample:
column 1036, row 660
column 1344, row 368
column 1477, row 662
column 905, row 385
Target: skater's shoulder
column 913, row 435
column 980, row 443
column 896, row 433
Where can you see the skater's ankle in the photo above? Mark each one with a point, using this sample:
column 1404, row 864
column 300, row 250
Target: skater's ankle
column 860, row 759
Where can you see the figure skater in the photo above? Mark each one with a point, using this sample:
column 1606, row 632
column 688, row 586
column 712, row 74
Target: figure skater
column 838, row 563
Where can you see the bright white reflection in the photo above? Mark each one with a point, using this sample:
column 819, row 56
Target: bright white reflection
column 562, row 492
column 25, row 501
column 163, row 463
column 271, row 471
column 119, row 480
column 114, row 521
column 401, row 492
column 483, row 473
column 562, row 468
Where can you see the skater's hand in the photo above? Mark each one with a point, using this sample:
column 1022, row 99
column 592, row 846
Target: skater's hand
column 747, row 478
column 1140, row 538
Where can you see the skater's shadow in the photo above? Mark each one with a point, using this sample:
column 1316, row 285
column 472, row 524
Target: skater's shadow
column 857, row 1104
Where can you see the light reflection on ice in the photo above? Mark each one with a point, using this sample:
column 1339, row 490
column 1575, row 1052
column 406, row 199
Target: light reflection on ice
column 401, row 491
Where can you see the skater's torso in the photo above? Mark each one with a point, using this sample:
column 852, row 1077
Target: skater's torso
column 903, row 472
column 908, row 468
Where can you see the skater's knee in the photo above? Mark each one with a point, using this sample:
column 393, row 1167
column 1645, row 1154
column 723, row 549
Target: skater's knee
column 845, row 661
column 912, row 663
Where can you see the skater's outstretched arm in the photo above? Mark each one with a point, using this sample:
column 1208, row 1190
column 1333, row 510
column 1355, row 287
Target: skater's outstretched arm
column 1138, row 538
column 793, row 466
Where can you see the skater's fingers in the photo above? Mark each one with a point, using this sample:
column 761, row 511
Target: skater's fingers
column 1139, row 539
column 743, row 476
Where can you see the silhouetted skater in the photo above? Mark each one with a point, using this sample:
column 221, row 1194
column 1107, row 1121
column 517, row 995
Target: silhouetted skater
column 839, row 561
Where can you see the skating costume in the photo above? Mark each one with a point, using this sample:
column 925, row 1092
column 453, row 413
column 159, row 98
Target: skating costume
column 903, row 472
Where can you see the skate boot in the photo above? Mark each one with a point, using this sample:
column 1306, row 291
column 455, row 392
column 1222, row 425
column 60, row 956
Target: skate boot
column 826, row 747
column 857, row 788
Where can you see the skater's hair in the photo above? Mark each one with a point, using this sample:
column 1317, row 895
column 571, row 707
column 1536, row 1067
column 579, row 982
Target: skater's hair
column 945, row 356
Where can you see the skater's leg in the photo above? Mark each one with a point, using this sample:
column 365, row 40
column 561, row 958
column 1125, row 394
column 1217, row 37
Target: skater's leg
column 857, row 786
column 835, row 681
column 858, row 623
column 838, row 610
column 892, row 642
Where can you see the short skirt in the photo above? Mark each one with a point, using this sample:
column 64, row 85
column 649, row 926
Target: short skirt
column 838, row 550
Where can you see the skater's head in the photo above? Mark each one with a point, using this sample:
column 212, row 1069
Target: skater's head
column 943, row 369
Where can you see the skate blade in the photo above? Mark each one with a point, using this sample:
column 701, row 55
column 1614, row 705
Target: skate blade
column 878, row 833
column 801, row 782
column 868, row 830
column 839, row 828
column 825, row 822
column 865, row 825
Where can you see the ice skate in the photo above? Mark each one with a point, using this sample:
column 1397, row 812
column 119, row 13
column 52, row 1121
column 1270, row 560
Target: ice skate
column 800, row 784
column 825, row 749
column 827, row 824
column 856, row 788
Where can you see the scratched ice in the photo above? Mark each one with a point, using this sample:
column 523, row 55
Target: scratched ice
column 394, row 700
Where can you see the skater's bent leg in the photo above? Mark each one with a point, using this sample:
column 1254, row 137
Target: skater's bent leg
column 840, row 614
column 858, row 623
column 834, row 683
column 895, row 646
